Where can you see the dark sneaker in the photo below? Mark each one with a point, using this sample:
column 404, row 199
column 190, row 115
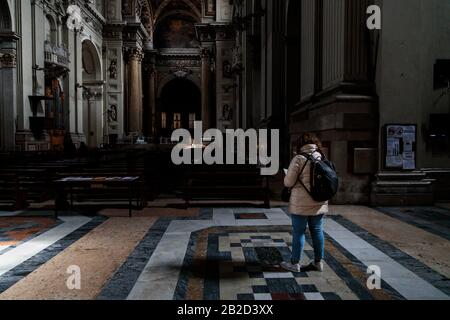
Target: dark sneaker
column 313, row 267
column 291, row 267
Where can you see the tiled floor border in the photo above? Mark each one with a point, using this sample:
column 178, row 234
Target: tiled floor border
column 423, row 271
column 11, row 277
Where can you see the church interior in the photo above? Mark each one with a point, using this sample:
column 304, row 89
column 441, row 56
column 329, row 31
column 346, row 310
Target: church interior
column 91, row 92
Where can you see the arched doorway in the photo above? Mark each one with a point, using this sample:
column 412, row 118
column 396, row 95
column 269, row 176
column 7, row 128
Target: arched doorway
column 5, row 16
column 8, row 78
column 179, row 106
column 92, row 95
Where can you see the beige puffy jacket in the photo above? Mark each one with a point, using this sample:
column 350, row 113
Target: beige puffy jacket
column 301, row 202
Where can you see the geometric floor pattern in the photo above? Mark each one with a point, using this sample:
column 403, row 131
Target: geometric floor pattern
column 225, row 254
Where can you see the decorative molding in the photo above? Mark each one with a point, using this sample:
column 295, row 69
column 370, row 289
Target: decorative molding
column 179, row 61
column 134, row 54
column 8, row 58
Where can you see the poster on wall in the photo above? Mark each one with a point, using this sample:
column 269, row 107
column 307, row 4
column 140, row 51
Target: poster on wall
column 401, row 147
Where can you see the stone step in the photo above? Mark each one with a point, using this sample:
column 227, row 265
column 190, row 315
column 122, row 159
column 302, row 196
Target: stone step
column 442, row 184
column 405, row 199
column 394, row 176
column 398, row 189
column 419, row 183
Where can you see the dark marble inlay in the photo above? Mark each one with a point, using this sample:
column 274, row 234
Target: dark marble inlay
column 18, row 273
column 431, row 219
column 423, row 271
column 269, row 256
column 15, row 228
column 124, row 279
column 255, row 266
column 250, row 216
column 363, row 268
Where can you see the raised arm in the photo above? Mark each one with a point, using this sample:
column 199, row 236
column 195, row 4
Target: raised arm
column 294, row 170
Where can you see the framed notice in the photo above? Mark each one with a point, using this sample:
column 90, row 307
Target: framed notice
column 400, row 147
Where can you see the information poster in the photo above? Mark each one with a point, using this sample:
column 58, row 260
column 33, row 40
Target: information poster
column 401, row 147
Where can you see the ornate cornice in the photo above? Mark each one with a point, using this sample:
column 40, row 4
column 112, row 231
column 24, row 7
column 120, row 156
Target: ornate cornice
column 113, row 31
column 212, row 32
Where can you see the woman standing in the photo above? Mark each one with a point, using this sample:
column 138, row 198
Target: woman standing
column 303, row 209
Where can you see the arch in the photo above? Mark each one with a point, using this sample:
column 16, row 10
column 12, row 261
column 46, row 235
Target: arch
column 165, row 3
column 179, row 105
column 172, row 77
column 93, row 114
column 187, row 94
column 176, row 31
column 141, row 9
column 51, row 30
column 179, row 12
column 5, row 16
column 92, row 68
column 146, row 17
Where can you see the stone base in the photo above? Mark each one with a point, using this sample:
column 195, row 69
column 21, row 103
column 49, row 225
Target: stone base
column 442, row 184
column 347, row 126
column 27, row 142
column 398, row 200
column 77, row 138
column 402, row 189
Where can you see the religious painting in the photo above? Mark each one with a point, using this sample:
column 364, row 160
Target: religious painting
column 210, row 8
column 176, row 32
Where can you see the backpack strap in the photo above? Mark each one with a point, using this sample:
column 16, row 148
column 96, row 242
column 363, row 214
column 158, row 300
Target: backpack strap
column 300, row 174
column 309, row 158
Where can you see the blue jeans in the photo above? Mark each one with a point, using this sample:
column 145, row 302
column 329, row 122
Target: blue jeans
column 315, row 224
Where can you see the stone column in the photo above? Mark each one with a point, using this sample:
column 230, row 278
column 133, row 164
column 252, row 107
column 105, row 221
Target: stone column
column 149, row 83
column 8, row 77
column 135, row 91
column 356, row 42
column 150, row 93
column 206, row 69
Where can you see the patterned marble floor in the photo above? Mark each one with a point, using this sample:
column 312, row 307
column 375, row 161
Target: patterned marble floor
column 224, row 254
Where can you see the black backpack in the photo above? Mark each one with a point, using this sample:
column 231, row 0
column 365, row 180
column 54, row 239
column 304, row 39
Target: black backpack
column 324, row 178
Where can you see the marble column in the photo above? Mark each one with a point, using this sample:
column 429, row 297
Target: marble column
column 356, row 42
column 150, row 81
column 8, row 79
column 135, row 91
column 206, row 70
column 152, row 94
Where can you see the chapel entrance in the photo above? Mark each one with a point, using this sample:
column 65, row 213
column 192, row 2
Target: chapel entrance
column 179, row 106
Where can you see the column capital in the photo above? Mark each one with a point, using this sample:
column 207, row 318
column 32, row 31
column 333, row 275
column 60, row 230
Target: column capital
column 8, row 59
column 134, row 54
column 205, row 53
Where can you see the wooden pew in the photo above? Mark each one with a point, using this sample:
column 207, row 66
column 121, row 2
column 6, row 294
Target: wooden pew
column 243, row 183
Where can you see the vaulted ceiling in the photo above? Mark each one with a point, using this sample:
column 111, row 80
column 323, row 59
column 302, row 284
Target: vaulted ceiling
column 174, row 22
column 154, row 11
column 164, row 8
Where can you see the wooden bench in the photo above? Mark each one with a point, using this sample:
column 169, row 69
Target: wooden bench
column 243, row 183
column 21, row 187
column 10, row 194
column 110, row 188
